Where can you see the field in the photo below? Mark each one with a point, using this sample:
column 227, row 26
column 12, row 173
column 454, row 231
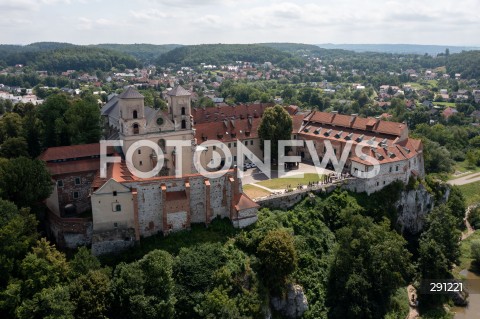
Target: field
column 255, row 192
column 293, row 181
column 471, row 192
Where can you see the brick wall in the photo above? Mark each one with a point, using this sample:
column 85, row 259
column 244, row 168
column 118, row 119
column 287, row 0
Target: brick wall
column 66, row 192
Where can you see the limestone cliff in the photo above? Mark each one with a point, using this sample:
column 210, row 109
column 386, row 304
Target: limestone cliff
column 414, row 205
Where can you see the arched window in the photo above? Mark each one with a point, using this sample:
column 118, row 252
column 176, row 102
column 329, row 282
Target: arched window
column 183, row 110
column 135, row 114
column 184, row 124
column 136, row 128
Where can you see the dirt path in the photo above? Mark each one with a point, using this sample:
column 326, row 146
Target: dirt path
column 467, row 179
column 469, row 231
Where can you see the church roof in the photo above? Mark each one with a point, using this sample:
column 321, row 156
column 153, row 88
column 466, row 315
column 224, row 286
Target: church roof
column 131, row 93
column 178, row 91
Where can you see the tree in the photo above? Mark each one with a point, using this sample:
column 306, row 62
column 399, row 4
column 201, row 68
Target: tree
column 83, row 121
column 18, row 233
column 31, row 130
column 50, row 303
column 456, row 204
column 52, row 115
column 145, row 289
column 24, row 181
column 83, row 262
column 14, row 147
column 90, row 293
column 439, row 249
column 276, row 125
column 278, row 258
column 194, row 271
column 475, row 249
column 10, row 126
column 370, row 264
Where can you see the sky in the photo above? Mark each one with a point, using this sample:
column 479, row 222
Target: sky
column 243, row 21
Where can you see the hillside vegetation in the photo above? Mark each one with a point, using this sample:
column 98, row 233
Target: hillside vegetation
column 222, row 53
column 57, row 57
column 144, row 52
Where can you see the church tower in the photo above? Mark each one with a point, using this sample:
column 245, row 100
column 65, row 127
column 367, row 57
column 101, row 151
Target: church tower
column 132, row 113
column 179, row 103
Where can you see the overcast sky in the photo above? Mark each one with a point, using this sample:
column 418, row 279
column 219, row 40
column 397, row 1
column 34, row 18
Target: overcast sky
column 242, row 21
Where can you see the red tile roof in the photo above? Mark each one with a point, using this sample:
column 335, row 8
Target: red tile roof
column 244, row 202
column 219, row 113
column 356, row 122
column 72, row 167
column 68, row 152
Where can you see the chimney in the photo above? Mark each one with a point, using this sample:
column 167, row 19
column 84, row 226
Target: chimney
column 353, row 117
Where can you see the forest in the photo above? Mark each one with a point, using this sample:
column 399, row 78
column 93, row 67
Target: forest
column 59, row 57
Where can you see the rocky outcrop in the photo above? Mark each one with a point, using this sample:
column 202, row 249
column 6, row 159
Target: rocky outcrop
column 293, row 304
column 413, row 206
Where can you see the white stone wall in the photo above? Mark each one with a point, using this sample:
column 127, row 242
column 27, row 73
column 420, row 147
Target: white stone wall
column 177, row 220
column 216, row 197
column 197, row 200
column 149, row 208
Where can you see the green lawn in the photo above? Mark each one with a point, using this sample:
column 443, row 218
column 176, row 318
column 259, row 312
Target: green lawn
column 471, row 192
column 463, row 167
column 255, row 192
column 466, row 254
column 219, row 231
column 293, row 181
column 449, row 104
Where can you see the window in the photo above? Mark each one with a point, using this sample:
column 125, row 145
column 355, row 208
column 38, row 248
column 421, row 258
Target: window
column 234, row 158
column 214, row 147
column 246, row 142
column 60, row 183
column 183, row 111
column 136, row 128
column 118, row 208
column 229, row 145
column 251, row 142
column 294, row 137
column 139, row 151
column 235, row 144
column 396, row 168
column 159, row 121
column 184, row 124
column 114, row 193
column 135, row 114
column 77, row 181
column 115, row 225
column 390, row 169
column 75, row 195
column 378, row 183
column 141, row 163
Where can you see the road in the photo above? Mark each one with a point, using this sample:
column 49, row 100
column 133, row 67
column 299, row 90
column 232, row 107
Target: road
column 467, row 179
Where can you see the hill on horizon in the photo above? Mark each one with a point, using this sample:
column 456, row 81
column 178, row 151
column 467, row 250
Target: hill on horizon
column 399, row 48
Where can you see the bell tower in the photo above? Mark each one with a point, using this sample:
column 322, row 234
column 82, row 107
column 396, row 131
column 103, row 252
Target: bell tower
column 132, row 112
column 179, row 103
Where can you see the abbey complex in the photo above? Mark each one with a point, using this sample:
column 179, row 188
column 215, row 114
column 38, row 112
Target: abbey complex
column 125, row 207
